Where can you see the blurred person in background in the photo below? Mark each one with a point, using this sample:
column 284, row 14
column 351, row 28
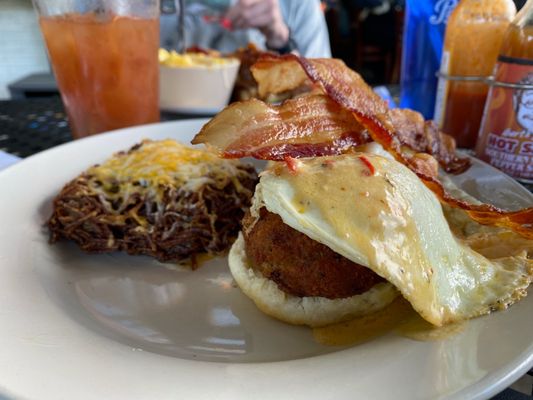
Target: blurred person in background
column 283, row 26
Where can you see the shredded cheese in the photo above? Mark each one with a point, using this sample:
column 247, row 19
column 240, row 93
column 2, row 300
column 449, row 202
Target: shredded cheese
column 159, row 162
column 156, row 165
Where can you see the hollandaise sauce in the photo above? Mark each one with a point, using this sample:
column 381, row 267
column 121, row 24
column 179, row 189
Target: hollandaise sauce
column 371, row 216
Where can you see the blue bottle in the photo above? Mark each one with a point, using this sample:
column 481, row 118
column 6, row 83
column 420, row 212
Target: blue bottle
column 425, row 24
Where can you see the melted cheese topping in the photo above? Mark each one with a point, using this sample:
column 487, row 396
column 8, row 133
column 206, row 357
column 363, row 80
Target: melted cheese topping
column 164, row 162
column 152, row 169
column 390, row 222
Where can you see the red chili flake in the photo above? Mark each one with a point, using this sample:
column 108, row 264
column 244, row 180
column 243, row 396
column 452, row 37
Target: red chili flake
column 291, row 162
column 366, row 161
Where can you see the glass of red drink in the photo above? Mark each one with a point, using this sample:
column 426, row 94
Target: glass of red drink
column 104, row 57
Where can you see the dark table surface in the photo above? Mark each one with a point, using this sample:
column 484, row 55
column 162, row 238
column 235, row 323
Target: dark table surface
column 28, row 126
column 32, row 125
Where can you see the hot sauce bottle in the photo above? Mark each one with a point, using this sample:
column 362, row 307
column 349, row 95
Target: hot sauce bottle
column 506, row 133
column 473, row 38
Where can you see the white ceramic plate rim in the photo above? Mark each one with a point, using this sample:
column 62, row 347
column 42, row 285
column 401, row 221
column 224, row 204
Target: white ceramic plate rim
column 90, row 366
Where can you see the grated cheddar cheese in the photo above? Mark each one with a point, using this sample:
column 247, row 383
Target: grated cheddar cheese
column 155, row 165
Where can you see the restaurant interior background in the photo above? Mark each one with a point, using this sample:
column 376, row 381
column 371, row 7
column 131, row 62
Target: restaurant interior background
column 366, row 34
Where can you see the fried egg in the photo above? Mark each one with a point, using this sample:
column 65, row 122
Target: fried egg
column 377, row 213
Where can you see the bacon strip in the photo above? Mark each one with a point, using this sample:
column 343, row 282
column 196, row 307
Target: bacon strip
column 275, row 74
column 424, row 136
column 338, row 80
column 234, row 135
column 306, row 126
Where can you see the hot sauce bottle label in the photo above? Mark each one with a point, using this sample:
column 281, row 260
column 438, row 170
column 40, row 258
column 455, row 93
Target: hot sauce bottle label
column 506, row 134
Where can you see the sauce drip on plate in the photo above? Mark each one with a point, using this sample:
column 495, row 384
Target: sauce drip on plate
column 398, row 318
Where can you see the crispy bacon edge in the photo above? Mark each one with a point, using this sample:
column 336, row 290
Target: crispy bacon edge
column 424, row 136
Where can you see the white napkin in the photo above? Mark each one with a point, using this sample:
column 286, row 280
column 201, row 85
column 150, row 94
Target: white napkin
column 7, row 159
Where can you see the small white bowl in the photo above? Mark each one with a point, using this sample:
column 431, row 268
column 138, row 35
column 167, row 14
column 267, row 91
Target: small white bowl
column 198, row 89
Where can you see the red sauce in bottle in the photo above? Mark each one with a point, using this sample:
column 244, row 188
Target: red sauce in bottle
column 473, row 38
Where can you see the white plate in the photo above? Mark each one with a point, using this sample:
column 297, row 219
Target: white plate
column 83, row 326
